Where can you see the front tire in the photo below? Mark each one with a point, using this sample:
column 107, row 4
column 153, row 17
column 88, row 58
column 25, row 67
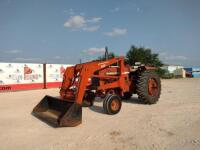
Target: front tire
column 149, row 87
column 112, row 104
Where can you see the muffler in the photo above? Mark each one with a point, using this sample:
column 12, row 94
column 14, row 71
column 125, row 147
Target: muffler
column 58, row 113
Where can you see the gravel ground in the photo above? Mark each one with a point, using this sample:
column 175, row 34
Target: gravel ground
column 171, row 124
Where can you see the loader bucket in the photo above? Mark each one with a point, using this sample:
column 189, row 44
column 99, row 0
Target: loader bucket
column 57, row 112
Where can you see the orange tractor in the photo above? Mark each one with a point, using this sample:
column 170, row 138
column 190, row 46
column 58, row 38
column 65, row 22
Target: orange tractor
column 111, row 79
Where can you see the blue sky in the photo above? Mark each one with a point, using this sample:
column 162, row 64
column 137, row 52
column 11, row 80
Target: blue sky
column 65, row 31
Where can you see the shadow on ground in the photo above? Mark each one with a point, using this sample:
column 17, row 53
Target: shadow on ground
column 99, row 109
column 133, row 100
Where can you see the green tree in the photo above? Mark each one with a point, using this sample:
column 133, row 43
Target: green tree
column 143, row 55
column 161, row 72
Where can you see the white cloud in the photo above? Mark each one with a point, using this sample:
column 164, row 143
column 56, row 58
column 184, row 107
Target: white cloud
column 92, row 51
column 138, row 9
column 57, row 57
column 170, row 57
column 44, row 41
column 82, row 13
column 75, row 22
column 71, row 11
column 79, row 22
column 116, row 9
column 20, row 59
column 14, row 51
column 91, row 29
column 95, row 20
column 116, row 32
column 176, row 57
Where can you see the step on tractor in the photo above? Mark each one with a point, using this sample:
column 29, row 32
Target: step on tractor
column 110, row 79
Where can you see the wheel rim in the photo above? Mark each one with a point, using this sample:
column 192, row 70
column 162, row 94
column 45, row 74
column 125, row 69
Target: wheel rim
column 153, row 87
column 115, row 105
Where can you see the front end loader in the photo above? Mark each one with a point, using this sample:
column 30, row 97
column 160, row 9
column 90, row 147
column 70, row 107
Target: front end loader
column 110, row 79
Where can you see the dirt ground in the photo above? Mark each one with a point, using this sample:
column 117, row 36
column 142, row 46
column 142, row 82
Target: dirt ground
column 171, row 124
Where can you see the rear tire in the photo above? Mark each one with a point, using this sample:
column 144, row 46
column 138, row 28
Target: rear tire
column 112, row 104
column 149, row 87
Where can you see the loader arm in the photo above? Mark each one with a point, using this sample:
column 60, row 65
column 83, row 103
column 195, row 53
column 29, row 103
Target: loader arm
column 85, row 71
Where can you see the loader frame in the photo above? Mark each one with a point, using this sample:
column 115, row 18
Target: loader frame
column 96, row 69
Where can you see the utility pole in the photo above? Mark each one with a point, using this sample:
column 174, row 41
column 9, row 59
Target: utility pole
column 106, row 53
